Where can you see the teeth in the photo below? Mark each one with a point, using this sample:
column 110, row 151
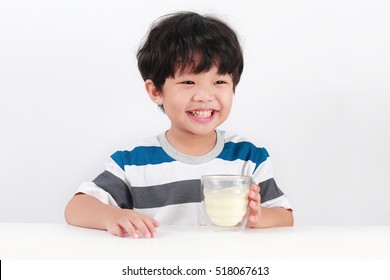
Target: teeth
column 201, row 114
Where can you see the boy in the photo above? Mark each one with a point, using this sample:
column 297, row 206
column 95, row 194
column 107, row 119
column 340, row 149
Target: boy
column 191, row 65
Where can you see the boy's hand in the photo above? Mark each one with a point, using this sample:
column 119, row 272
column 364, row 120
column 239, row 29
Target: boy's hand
column 255, row 208
column 123, row 222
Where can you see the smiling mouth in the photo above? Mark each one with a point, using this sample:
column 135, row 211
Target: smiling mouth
column 201, row 114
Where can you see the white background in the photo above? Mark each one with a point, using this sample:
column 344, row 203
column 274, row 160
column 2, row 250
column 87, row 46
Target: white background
column 315, row 92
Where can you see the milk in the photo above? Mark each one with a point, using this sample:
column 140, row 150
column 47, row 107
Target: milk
column 226, row 206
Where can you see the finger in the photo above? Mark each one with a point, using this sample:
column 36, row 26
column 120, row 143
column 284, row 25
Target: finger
column 254, row 196
column 129, row 228
column 155, row 223
column 253, row 218
column 141, row 225
column 255, row 188
column 151, row 224
column 116, row 230
column 253, row 205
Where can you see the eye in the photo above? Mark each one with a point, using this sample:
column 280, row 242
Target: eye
column 188, row 83
column 220, row 82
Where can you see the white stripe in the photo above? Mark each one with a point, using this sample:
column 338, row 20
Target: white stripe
column 280, row 201
column 92, row 189
column 115, row 169
column 263, row 172
column 178, row 214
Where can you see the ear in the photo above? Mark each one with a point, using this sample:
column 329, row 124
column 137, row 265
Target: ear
column 154, row 94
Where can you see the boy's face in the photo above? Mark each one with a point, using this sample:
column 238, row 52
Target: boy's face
column 196, row 103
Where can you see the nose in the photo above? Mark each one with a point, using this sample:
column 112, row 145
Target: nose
column 203, row 94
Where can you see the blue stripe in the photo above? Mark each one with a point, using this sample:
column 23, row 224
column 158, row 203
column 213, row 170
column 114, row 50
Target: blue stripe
column 141, row 156
column 156, row 155
column 244, row 151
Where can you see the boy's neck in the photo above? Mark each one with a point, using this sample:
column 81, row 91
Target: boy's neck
column 192, row 144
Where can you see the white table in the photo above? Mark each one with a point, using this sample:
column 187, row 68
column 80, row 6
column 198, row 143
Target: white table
column 62, row 241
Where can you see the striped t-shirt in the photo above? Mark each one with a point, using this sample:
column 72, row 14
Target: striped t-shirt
column 156, row 180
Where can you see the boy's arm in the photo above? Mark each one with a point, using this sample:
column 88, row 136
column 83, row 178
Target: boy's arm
column 273, row 217
column 261, row 217
column 87, row 211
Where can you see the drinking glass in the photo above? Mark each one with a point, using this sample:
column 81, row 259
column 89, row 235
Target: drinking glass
column 225, row 201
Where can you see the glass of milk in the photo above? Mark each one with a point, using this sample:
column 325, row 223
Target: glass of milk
column 225, row 201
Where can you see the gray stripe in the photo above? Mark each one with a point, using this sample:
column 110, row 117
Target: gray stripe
column 269, row 190
column 167, row 194
column 116, row 188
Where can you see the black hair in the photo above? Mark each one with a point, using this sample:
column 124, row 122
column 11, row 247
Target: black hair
column 176, row 41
